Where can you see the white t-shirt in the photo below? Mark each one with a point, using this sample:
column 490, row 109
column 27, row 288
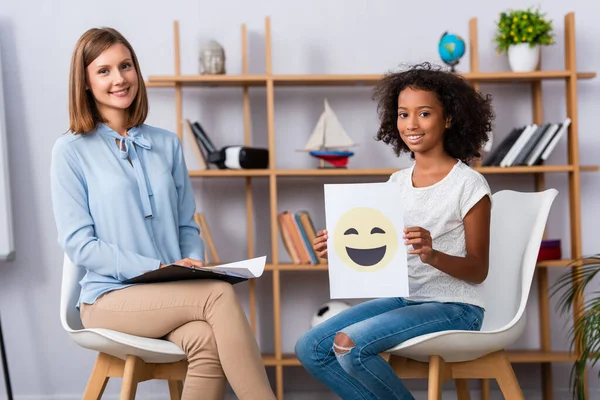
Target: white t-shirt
column 440, row 208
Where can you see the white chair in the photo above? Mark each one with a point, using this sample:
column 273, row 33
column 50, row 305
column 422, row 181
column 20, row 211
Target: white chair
column 133, row 358
column 517, row 226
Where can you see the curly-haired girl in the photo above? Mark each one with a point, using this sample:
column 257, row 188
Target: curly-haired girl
column 442, row 121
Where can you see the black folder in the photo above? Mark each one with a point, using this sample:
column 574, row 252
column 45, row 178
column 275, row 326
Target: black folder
column 174, row 272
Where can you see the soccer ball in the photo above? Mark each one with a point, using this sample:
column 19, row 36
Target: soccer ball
column 327, row 311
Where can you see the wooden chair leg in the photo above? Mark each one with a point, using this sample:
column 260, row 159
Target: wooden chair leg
column 505, row 376
column 175, row 389
column 462, row 389
column 485, row 389
column 435, row 378
column 98, row 378
column 132, row 375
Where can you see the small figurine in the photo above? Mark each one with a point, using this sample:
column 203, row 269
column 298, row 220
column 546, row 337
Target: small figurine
column 212, row 59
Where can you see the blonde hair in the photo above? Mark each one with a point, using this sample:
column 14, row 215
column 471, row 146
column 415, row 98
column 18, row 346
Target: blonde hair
column 83, row 114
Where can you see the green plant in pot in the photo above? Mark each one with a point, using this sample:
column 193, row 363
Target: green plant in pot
column 585, row 332
column 520, row 34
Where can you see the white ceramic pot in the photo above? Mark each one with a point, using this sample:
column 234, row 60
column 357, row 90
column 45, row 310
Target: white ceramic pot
column 523, row 58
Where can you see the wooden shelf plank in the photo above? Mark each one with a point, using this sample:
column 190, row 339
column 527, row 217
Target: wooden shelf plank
column 525, row 170
column 343, row 79
column 287, row 360
column 507, row 76
column 387, row 171
column 334, row 172
column 515, row 356
column 224, row 173
column 553, row 263
column 326, row 80
column 269, row 360
column 371, row 79
column 538, row 356
column 211, row 80
column 159, row 84
column 589, row 168
column 323, row 267
column 296, row 267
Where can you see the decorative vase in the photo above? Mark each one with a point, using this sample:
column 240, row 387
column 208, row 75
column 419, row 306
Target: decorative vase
column 523, row 58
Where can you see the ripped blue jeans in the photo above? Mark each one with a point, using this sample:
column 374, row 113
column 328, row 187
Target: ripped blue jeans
column 358, row 372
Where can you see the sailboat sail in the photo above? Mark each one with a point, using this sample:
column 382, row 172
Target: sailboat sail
column 328, row 133
column 316, row 140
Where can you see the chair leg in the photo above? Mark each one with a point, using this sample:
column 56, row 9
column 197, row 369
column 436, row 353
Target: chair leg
column 435, row 378
column 505, row 376
column 485, row 389
column 132, row 374
column 175, row 389
column 98, row 378
column 462, row 389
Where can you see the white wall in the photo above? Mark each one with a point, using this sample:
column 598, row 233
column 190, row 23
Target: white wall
column 309, row 36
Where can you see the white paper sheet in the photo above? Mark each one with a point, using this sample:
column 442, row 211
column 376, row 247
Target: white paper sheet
column 367, row 255
column 251, row 268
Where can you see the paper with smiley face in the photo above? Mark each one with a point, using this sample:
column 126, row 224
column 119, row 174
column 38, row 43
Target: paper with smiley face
column 365, row 239
column 367, row 256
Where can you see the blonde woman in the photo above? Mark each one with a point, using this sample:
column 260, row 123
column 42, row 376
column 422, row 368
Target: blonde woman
column 123, row 205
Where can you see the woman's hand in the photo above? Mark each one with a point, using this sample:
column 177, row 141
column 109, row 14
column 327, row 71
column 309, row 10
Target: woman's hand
column 320, row 244
column 422, row 243
column 187, row 262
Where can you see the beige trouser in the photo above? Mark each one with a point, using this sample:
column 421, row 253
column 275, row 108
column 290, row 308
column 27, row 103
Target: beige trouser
column 205, row 319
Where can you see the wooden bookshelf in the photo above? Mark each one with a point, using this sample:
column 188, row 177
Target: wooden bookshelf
column 569, row 75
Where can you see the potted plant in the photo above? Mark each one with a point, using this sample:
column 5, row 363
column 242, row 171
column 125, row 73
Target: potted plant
column 585, row 332
column 520, row 33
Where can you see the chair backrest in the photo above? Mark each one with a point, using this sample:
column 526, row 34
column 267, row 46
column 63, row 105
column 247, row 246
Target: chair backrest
column 70, row 289
column 517, row 226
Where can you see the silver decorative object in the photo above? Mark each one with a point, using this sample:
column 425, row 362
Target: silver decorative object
column 212, row 59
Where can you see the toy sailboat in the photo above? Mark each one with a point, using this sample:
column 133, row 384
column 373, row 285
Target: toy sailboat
column 329, row 140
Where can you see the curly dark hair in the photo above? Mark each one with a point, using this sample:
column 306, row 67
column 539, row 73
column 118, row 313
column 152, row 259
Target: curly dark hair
column 470, row 112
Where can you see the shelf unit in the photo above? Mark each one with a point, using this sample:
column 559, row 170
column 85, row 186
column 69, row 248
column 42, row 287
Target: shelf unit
column 545, row 356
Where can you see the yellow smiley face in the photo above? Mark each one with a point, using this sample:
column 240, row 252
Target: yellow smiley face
column 365, row 239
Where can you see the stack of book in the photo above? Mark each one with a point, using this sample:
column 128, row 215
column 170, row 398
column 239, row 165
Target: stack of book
column 527, row 145
column 297, row 234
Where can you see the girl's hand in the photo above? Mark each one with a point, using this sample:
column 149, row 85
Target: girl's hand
column 187, row 262
column 422, row 243
column 320, row 244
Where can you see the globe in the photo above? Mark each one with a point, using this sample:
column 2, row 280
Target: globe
column 451, row 48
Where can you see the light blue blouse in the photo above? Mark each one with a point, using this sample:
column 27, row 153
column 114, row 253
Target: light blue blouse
column 120, row 213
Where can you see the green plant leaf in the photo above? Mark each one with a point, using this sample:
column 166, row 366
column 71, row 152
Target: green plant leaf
column 585, row 332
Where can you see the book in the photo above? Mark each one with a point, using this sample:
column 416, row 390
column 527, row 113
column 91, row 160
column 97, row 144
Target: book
column 310, row 230
column 233, row 273
column 211, row 256
column 191, row 143
column 312, row 257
